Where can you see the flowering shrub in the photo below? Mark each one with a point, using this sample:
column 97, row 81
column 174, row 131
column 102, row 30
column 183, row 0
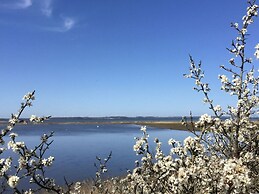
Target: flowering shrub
column 223, row 157
column 31, row 164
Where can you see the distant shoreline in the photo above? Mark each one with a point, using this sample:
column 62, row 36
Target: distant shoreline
column 159, row 124
column 173, row 125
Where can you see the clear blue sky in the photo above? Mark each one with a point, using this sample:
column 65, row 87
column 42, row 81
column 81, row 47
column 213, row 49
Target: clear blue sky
column 113, row 57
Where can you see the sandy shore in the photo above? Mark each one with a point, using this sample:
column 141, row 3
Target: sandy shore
column 162, row 124
column 158, row 124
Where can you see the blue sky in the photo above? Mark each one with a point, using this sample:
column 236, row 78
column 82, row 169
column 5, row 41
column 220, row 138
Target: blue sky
column 113, row 57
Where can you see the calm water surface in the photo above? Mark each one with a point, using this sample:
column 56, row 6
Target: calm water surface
column 75, row 147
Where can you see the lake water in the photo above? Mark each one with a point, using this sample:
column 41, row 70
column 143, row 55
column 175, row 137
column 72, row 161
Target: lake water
column 76, row 146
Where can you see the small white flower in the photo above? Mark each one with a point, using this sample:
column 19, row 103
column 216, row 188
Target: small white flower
column 13, row 120
column 143, row 128
column 28, row 192
column 77, row 187
column 29, row 96
column 44, row 162
column 205, row 118
column 223, row 78
column 13, row 181
column 138, row 145
column 33, row 118
column 238, row 38
column 240, row 47
column 228, row 123
column 244, row 31
column 197, row 82
column 51, row 159
column 217, row 108
column 235, row 25
column 232, row 60
column 171, row 141
column 13, row 135
column 32, row 162
column 257, row 51
column 47, row 162
column 182, row 174
column 22, row 162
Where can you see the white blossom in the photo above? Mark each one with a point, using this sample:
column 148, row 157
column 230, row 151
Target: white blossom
column 29, row 96
column 77, row 187
column 28, row 192
column 13, row 135
column 243, row 30
column 223, row 78
column 143, row 128
column 204, row 119
column 257, row 51
column 235, row 25
column 33, row 117
column 13, row 181
column 48, row 162
column 217, row 108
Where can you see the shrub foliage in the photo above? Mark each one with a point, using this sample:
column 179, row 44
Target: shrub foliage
column 222, row 157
